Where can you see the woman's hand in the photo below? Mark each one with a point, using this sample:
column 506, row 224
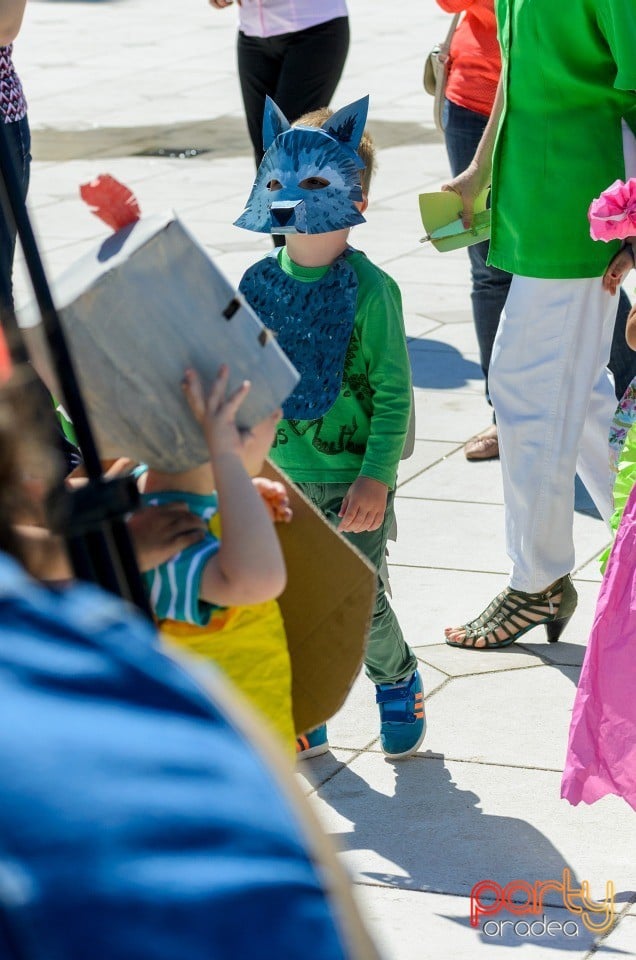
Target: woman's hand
column 619, row 267
column 468, row 185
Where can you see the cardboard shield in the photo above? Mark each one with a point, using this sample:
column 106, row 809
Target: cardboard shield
column 327, row 608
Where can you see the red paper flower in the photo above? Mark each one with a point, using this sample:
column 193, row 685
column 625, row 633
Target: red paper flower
column 111, row 201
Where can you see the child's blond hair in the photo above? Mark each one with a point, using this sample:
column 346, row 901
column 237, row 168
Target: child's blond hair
column 366, row 149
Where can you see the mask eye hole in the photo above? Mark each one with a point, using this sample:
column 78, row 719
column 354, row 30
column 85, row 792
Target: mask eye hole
column 274, row 185
column 313, row 183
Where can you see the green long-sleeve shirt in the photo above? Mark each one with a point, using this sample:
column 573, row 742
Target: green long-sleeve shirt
column 364, row 431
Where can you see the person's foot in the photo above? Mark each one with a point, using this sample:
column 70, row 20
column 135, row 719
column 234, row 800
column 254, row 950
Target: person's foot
column 402, row 719
column 312, row 744
column 483, row 446
column 512, row 613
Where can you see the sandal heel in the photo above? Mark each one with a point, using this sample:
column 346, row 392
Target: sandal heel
column 555, row 628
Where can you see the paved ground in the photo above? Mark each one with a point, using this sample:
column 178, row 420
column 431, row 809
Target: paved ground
column 108, row 84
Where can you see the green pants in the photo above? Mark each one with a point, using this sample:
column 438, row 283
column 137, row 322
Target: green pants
column 388, row 657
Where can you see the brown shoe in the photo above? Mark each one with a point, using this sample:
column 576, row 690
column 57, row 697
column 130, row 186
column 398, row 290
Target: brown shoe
column 483, row 446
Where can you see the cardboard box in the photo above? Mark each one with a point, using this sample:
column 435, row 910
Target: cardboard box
column 137, row 310
column 327, row 607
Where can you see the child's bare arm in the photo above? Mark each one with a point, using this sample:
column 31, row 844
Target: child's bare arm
column 364, row 506
column 619, row 266
column 249, row 565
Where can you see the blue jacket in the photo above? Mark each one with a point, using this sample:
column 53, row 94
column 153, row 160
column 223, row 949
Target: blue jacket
column 135, row 822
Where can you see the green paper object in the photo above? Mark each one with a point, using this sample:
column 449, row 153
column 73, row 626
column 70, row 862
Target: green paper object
column 441, row 216
column 625, row 480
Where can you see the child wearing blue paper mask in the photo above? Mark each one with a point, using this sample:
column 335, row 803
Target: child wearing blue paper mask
column 339, row 319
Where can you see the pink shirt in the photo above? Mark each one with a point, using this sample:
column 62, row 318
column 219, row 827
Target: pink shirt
column 268, row 18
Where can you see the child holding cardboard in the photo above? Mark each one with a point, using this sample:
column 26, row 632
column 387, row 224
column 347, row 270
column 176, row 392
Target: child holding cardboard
column 216, row 598
column 339, row 319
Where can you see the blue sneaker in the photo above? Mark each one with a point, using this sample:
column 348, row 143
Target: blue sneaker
column 312, row 744
column 402, row 720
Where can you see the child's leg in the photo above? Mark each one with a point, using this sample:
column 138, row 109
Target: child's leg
column 388, row 657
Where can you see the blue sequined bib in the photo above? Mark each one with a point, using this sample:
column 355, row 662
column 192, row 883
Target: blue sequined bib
column 313, row 322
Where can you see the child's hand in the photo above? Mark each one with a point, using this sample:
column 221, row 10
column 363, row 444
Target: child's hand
column 618, row 268
column 217, row 417
column 275, row 499
column 364, row 506
column 215, row 414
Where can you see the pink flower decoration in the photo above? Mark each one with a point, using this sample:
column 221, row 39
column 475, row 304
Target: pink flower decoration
column 612, row 216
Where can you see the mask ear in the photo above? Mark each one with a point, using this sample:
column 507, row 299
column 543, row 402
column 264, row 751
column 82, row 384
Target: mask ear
column 347, row 124
column 274, row 122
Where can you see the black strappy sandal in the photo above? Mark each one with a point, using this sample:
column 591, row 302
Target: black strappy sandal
column 513, row 613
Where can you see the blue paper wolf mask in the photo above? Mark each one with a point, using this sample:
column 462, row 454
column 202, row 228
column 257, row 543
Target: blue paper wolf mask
column 309, row 178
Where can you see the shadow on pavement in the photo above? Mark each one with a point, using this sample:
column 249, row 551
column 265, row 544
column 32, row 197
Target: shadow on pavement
column 437, row 366
column 439, row 840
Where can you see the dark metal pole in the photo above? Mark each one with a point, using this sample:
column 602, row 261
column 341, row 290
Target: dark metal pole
column 102, row 551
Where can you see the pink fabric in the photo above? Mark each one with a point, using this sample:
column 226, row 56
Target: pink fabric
column 269, row 18
column 612, row 216
column 601, row 756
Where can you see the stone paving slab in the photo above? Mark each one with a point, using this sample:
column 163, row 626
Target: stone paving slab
column 313, row 773
column 442, row 825
column 429, row 545
column 532, row 705
column 448, row 479
column 411, row 924
column 425, row 454
column 448, row 415
column 621, row 942
column 459, row 337
column 461, row 663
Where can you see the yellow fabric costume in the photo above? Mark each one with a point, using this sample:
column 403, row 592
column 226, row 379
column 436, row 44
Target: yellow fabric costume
column 248, row 643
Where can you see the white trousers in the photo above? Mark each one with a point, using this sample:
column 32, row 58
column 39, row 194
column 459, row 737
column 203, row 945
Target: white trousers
column 554, row 400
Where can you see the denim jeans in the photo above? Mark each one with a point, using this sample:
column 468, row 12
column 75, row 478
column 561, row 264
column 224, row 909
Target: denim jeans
column 490, row 286
column 463, row 132
column 19, row 139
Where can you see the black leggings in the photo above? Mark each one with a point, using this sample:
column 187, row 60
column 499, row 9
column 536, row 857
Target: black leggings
column 299, row 71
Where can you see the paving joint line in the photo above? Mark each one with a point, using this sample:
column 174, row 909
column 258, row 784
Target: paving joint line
column 601, row 941
column 481, row 763
column 485, row 673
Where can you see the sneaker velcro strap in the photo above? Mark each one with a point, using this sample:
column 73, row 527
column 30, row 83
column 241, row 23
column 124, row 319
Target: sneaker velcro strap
column 393, row 693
